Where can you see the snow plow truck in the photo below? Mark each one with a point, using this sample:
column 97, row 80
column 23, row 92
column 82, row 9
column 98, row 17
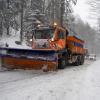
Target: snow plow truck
column 52, row 48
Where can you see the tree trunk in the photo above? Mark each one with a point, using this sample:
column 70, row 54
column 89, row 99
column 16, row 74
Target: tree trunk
column 1, row 29
column 53, row 11
column 8, row 30
column 62, row 11
column 21, row 15
column 43, row 9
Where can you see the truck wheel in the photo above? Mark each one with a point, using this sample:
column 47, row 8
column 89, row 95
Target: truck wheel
column 62, row 63
column 82, row 60
column 77, row 62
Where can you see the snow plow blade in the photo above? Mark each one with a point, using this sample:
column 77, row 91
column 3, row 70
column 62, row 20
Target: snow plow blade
column 14, row 58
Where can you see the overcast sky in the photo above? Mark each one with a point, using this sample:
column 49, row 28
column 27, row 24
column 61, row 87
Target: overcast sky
column 83, row 10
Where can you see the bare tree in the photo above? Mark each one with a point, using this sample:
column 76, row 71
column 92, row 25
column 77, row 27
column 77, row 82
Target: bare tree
column 95, row 10
column 8, row 13
column 56, row 9
column 95, row 6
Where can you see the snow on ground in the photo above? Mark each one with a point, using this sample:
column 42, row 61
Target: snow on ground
column 10, row 40
column 72, row 83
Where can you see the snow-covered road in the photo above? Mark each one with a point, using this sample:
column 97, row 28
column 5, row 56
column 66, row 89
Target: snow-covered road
column 72, row 83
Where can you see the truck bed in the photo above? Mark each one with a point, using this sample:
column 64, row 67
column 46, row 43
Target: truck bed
column 75, row 45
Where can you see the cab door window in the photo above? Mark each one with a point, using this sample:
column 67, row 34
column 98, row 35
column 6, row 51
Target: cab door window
column 60, row 35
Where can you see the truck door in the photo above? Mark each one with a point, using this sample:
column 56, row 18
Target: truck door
column 61, row 39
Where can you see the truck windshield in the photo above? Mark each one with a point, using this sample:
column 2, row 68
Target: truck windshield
column 43, row 34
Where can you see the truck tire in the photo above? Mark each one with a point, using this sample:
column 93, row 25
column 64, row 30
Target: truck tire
column 77, row 62
column 62, row 63
column 82, row 60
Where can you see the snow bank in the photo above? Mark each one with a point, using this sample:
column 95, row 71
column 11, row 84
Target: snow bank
column 10, row 40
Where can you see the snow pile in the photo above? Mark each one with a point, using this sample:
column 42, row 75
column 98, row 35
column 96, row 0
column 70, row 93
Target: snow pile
column 10, row 40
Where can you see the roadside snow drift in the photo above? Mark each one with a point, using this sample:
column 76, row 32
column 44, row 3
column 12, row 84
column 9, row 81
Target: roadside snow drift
column 10, row 40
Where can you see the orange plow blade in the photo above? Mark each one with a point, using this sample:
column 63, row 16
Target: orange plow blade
column 29, row 59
